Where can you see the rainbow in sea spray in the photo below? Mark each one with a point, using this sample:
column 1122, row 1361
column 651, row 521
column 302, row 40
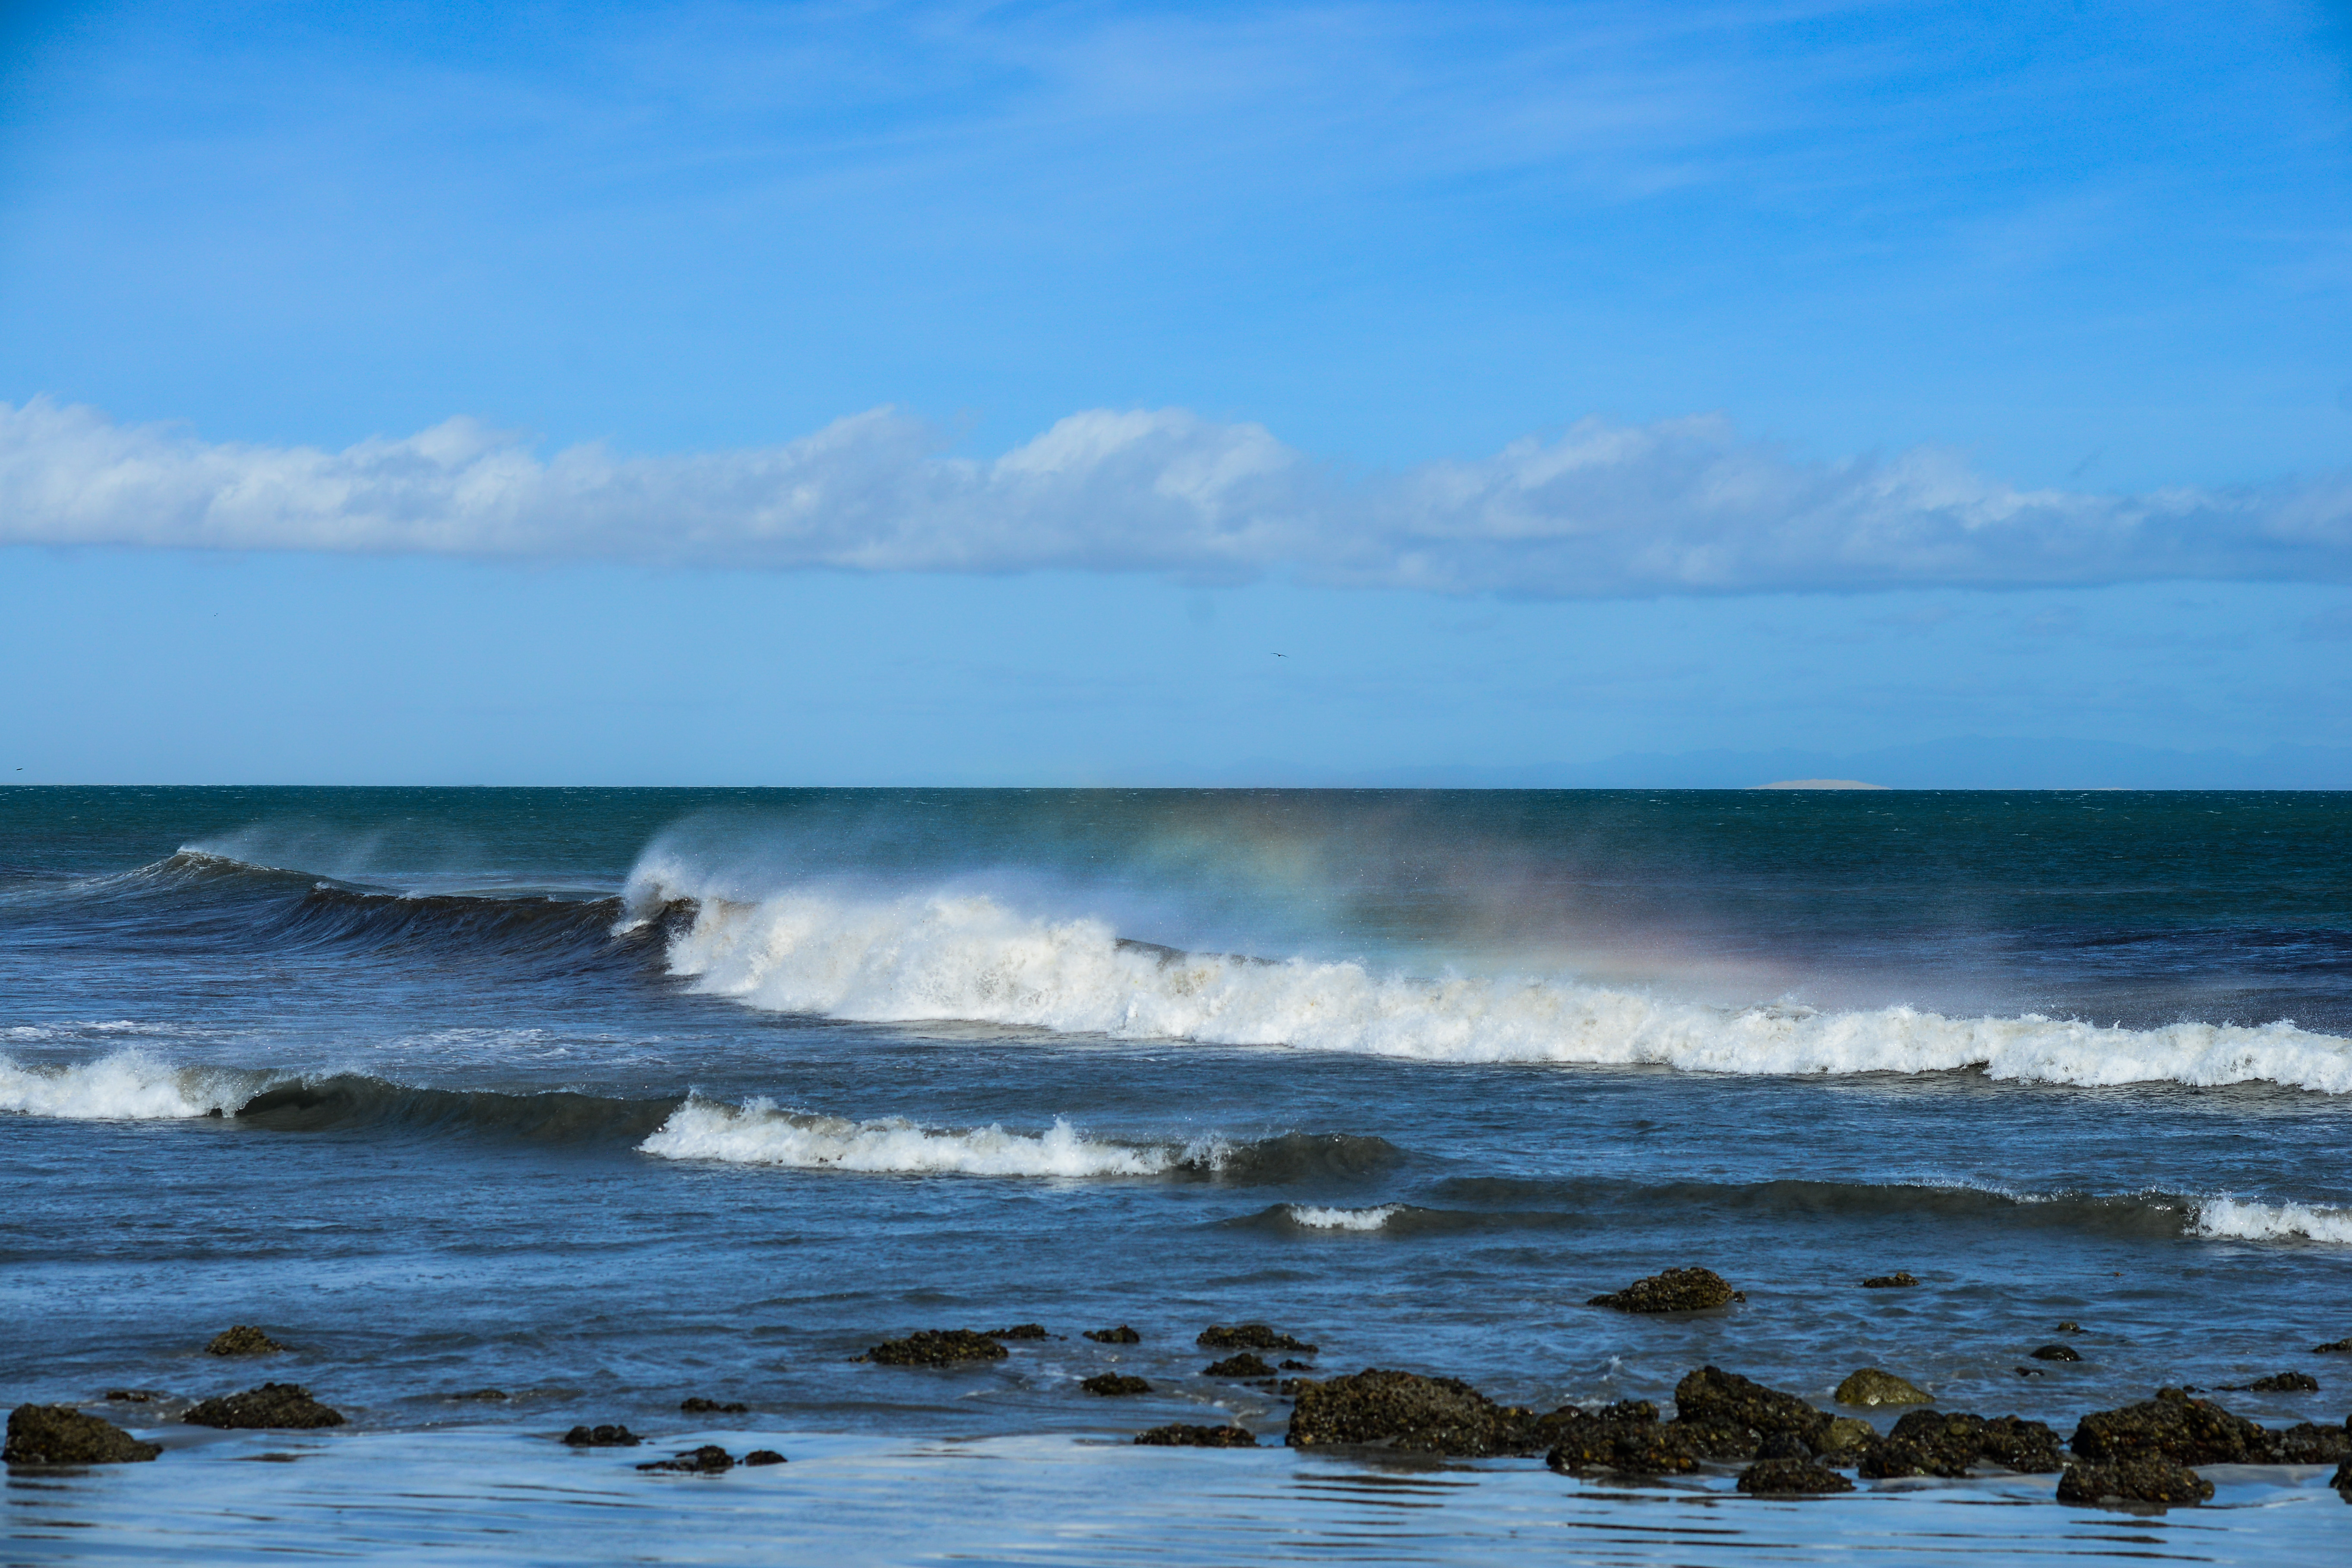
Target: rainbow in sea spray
column 954, row 953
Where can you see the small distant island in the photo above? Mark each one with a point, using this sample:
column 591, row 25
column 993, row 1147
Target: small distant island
column 1821, row 784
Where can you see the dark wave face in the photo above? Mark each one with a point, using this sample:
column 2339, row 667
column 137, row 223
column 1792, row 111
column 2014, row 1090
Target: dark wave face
column 346, row 1103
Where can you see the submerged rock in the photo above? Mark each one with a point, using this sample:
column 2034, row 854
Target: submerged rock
column 2055, row 1352
column 1020, row 1332
column 2141, row 1478
column 243, row 1339
column 2333, row 1347
column 1900, row 1280
column 1790, row 1478
column 763, row 1456
column 615, row 1436
column 2175, row 1426
column 1115, row 1385
column 696, row 1406
column 487, row 1396
column 273, row 1405
column 1122, row 1335
column 709, row 1459
column 1871, row 1386
column 60, row 1434
column 135, row 1396
column 936, row 1347
column 1673, row 1290
column 2068, row 1326
column 1178, row 1435
column 1249, row 1337
column 1405, row 1410
column 1242, row 1366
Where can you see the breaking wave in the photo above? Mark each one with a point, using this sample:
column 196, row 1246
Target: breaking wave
column 1317, row 1217
column 127, row 1086
column 957, row 955
column 2229, row 1217
column 758, row 1133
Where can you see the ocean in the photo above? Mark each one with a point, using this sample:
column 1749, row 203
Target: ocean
column 604, row 1099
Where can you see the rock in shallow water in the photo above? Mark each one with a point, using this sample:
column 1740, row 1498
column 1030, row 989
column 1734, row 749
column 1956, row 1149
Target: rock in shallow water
column 935, row 1347
column 2142, row 1477
column 614, row 1436
column 1177, row 1434
column 1711, row 1393
column 60, row 1434
column 272, row 1406
column 1900, row 1280
column 1946, row 1443
column 1114, row 1385
column 709, row 1459
column 1242, row 1366
column 1248, row 1337
column 697, row 1406
column 1405, row 1410
column 1871, row 1386
column 1790, row 1478
column 2173, row 1427
column 2284, row 1383
column 243, row 1339
column 1673, row 1290
column 1020, row 1332
column 1122, row 1335
column 2056, row 1353
column 758, row 1456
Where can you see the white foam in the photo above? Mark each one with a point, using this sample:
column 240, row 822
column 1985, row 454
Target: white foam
column 2244, row 1221
column 958, row 955
column 1320, row 1218
column 128, row 1086
column 760, row 1134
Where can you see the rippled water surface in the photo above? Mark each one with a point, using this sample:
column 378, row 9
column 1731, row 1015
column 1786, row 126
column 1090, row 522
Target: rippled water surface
column 607, row 1098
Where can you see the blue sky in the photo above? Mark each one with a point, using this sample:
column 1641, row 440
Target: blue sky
column 872, row 392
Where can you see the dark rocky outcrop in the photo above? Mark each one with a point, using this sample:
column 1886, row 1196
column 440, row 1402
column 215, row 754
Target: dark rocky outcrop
column 1289, row 1365
column 2333, row 1347
column 1673, row 1290
column 60, row 1434
column 1020, row 1332
column 1713, row 1395
column 1405, row 1410
column 1122, row 1335
column 614, row 1436
column 936, row 1347
column 243, row 1339
column 2283, row 1382
column 1249, row 1337
column 1115, row 1385
column 1941, row 1443
column 758, row 1456
column 697, row 1406
column 1242, row 1366
column 1178, row 1435
column 135, row 1396
column 2055, row 1352
column 2068, row 1326
column 273, row 1405
column 2174, row 1426
column 1790, row 1478
column 1900, row 1280
column 2141, row 1478
column 1719, row 1415
column 2309, row 1443
column 2342, row 1480
column 709, row 1459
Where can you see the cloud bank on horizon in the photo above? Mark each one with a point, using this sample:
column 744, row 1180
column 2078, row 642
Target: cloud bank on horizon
column 1598, row 510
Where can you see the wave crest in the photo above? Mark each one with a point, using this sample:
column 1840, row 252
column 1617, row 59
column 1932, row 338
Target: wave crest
column 955, row 955
column 126, row 1086
column 758, row 1133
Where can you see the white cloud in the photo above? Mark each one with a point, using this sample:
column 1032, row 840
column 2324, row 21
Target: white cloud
column 1681, row 506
